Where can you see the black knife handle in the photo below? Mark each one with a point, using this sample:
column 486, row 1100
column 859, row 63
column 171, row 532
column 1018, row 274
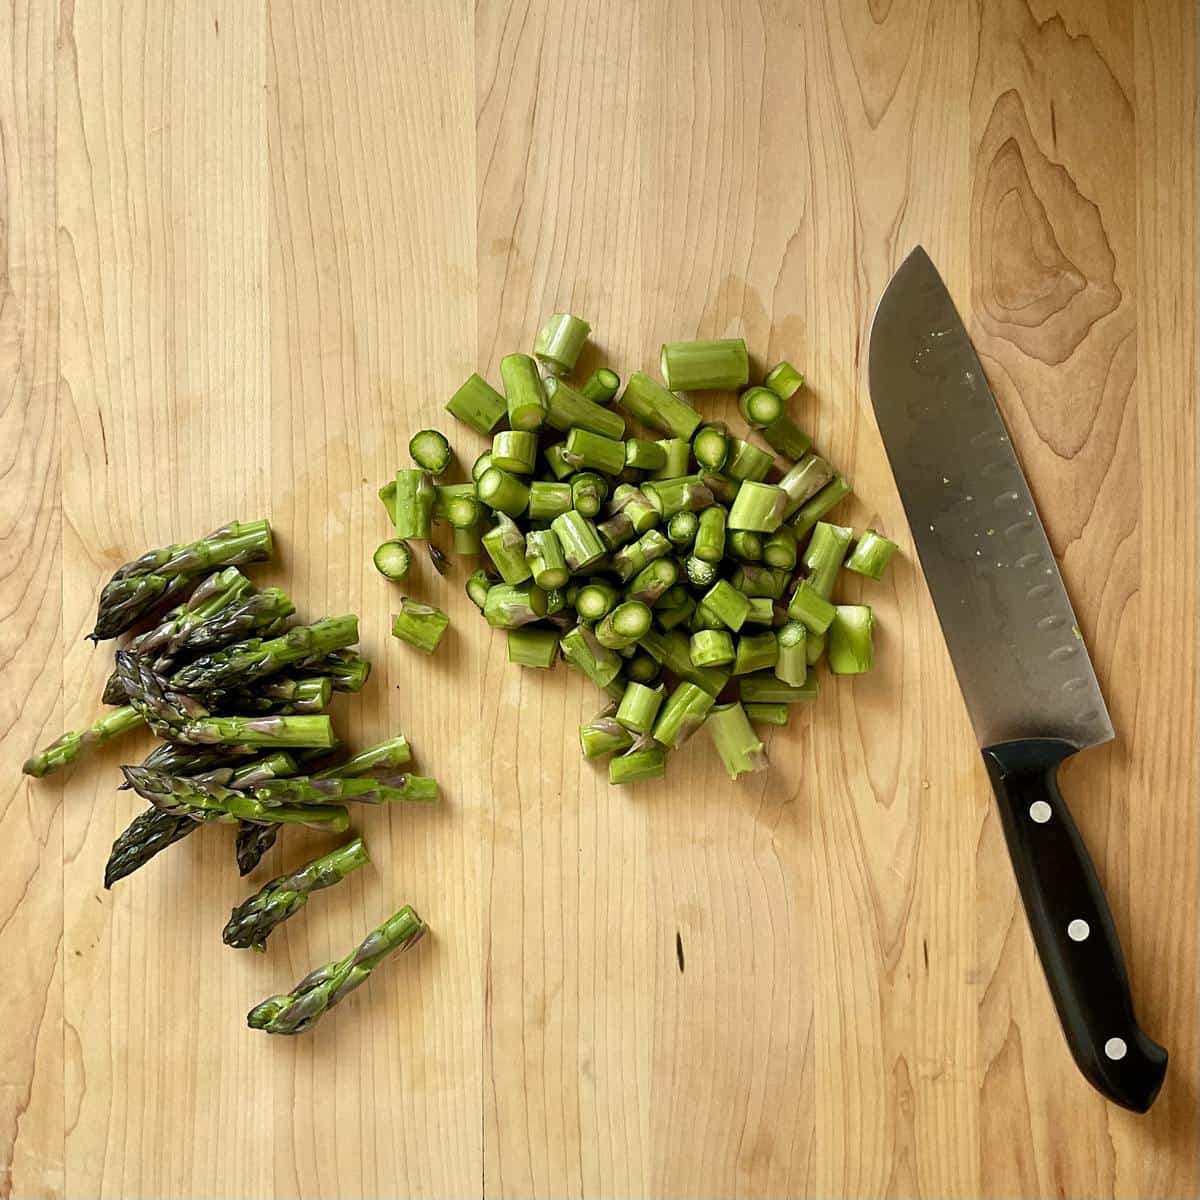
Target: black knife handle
column 1071, row 924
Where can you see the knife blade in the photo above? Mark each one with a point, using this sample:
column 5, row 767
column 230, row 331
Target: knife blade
column 1026, row 678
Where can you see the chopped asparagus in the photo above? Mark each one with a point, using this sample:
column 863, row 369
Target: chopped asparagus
column 420, row 625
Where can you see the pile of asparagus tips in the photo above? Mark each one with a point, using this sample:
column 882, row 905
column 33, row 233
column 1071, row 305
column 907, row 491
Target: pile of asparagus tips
column 686, row 569
column 239, row 694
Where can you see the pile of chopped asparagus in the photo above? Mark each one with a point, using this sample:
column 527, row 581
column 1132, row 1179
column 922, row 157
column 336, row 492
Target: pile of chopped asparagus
column 687, row 571
column 238, row 696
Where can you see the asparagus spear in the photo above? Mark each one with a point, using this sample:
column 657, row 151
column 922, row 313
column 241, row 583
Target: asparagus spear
column 320, row 990
column 244, row 662
column 139, row 586
column 68, row 748
column 148, row 834
column 251, row 922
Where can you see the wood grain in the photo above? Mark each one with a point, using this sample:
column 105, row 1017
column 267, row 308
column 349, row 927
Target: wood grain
column 248, row 247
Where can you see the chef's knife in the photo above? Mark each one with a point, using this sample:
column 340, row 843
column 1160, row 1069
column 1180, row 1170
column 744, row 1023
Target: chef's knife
column 1020, row 660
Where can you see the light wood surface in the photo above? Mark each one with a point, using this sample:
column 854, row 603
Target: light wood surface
column 247, row 248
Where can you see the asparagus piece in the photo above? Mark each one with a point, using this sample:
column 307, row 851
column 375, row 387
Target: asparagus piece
column 548, row 499
column 603, row 735
column 581, row 648
column 682, row 714
column 284, row 696
column 320, row 990
column 871, row 555
column 745, row 545
column 678, row 452
column 641, row 668
column 507, row 548
column 736, row 742
column 515, row 451
column 747, row 462
column 594, row 452
column 720, row 364
column 755, row 652
column 684, row 493
column 392, row 560
column 252, row 921
column 386, row 788
column 723, row 488
column 596, row 599
column 682, row 528
column 478, row 586
column 759, row 507
column 615, row 531
column 601, row 386
column 503, row 491
column 193, row 760
column 644, row 455
column 649, row 584
column 711, row 446
column 671, row 618
column 784, row 380
column 556, row 460
column 387, row 496
column 544, row 554
column 242, row 663
column 560, row 340
column 643, row 760
column 430, row 451
column 588, row 492
column 479, row 466
column 727, row 603
column 251, row 844
column 523, row 391
column 657, row 408
column 639, row 706
column 803, row 480
column 762, row 611
column 348, row 671
column 581, row 543
column 140, row 586
column 815, row 648
column 533, row 647
column 509, row 606
column 633, row 503
column 204, row 801
column 760, row 406
column 478, row 405
column 779, row 550
column 624, row 626
column 810, row 608
column 629, row 560
column 850, row 647
column 68, row 748
column 413, row 504
column 420, row 625
column 752, row 580
column 767, row 714
column 711, row 648
column 672, row 651
column 567, row 409
column 823, row 558
column 792, row 660
column 812, row 511
column 710, row 535
column 786, row 438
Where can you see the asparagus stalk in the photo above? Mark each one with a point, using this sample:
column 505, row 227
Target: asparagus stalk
column 544, row 554
column 672, row 651
column 139, row 586
column 823, row 558
column 387, row 788
column 639, row 707
column 739, row 746
column 509, row 606
column 784, row 380
column 677, row 455
column 780, row 550
column 147, row 835
column 755, row 652
column 502, row 491
column 710, row 535
column 624, row 626
column 413, row 504
column 711, row 648
column 523, row 391
column 812, row 511
column 792, row 660
column 745, row 545
column 244, row 662
column 810, row 608
column 760, row 406
column 747, row 462
column 633, row 503
column 682, row 714
column 762, row 611
column 384, row 756
column 559, row 342
column 711, row 446
column 548, row 499
column 68, row 748
column 594, row 452
column 478, row 586
column 581, row 648
column 596, row 599
column 683, row 527
column 786, row 438
column 765, row 688
column 684, row 493
column 581, row 543
column 629, row 560
column 649, row 584
column 641, row 668
column 752, row 580
column 556, row 460
column 803, row 480
column 478, row 405
column 588, row 492
column 720, row 364
column 480, row 466
column 251, row 844
column 348, row 671
column 759, row 507
column 767, row 714
column 252, row 921
column 507, row 548
column 723, row 487
column 420, row 625
column 643, row 455
column 727, row 603
column 320, row 990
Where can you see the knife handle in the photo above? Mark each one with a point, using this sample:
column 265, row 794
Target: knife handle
column 1071, row 924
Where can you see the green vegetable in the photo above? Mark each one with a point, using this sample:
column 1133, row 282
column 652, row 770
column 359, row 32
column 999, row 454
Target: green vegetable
column 682, row 528
column 533, row 647
column 851, row 651
column 767, row 714
column 525, row 396
column 871, row 555
column 784, row 380
column 511, row 605
column 682, row 714
column 603, row 735
column 478, row 405
column 657, row 408
column 712, row 648
column 639, row 706
column 792, row 661
column 643, row 761
column 430, row 451
column 760, row 406
column 515, row 451
column 710, row 446
column 393, row 559
column 505, row 546
column 759, row 507
column 502, row 491
column 722, row 364
column 548, row 499
column 567, row 409
column 601, row 386
column 738, row 745
column 824, row 555
column 560, row 340
column 545, row 557
column 420, row 625
column 812, row 511
column 624, row 626
column 580, row 542
column 589, row 490
column 413, row 504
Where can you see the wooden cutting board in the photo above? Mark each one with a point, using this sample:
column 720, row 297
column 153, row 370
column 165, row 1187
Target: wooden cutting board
column 249, row 248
